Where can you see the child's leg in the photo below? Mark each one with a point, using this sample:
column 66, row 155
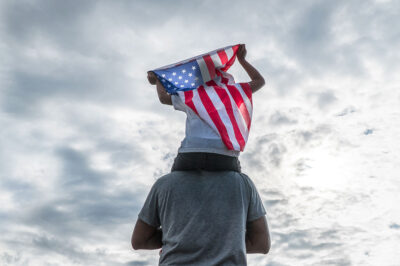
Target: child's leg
column 189, row 161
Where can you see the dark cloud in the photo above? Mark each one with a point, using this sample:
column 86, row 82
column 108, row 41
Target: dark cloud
column 301, row 166
column 76, row 171
column 59, row 20
column 69, row 68
column 87, row 192
column 326, row 98
column 10, row 259
column 137, row 263
column 279, row 118
column 368, row 131
column 60, row 246
column 64, row 51
column 346, row 111
column 85, row 201
column 311, row 137
column 289, row 235
column 122, row 154
column 275, row 153
column 311, row 37
column 265, row 153
column 29, row 90
column 394, row 226
column 323, row 99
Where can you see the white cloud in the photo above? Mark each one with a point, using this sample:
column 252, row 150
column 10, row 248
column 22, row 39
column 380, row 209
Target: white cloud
column 83, row 136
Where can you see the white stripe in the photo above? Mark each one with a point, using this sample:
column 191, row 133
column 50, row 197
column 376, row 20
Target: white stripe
column 217, row 61
column 202, row 110
column 218, row 104
column 245, row 99
column 240, row 121
column 181, row 95
column 229, row 52
column 197, row 57
column 204, row 70
column 231, row 80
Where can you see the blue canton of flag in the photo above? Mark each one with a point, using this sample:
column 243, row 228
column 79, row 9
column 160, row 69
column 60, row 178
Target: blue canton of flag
column 181, row 77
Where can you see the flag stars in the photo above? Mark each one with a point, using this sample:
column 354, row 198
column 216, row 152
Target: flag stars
column 181, row 78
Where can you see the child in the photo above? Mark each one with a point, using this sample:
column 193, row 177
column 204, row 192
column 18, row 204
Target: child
column 202, row 148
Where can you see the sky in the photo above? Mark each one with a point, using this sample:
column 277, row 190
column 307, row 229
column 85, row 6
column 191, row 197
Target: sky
column 83, row 135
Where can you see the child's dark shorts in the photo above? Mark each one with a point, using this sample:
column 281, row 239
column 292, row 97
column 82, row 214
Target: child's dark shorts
column 188, row 161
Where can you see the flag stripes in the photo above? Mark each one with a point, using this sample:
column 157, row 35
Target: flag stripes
column 215, row 117
column 223, row 104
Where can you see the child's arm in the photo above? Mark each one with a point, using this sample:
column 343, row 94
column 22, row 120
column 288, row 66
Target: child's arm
column 257, row 81
column 163, row 96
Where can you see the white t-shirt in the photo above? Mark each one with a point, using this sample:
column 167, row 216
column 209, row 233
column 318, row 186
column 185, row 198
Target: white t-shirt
column 199, row 136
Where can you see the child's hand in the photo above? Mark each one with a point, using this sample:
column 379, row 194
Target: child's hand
column 241, row 53
column 151, row 77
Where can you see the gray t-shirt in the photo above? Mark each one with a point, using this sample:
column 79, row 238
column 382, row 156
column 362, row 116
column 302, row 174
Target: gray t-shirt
column 203, row 216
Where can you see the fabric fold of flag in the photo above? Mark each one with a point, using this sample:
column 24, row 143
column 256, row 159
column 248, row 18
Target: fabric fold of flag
column 203, row 84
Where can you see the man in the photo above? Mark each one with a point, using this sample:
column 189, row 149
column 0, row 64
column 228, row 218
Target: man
column 207, row 218
column 204, row 217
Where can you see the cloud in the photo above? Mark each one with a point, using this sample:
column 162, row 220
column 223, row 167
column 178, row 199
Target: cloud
column 346, row 111
column 83, row 136
column 280, row 119
column 323, row 99
column 368, row 131
column 394, row 226
column 58, row 246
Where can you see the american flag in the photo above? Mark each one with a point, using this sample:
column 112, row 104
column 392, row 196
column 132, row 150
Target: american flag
column 204, row 85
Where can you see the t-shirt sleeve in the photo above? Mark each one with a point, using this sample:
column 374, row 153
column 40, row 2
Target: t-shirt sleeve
column 256, row 207
column 177, row 102
column 149, row 213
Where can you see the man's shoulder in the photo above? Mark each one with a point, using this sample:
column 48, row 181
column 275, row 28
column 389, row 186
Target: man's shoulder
column 168, row 178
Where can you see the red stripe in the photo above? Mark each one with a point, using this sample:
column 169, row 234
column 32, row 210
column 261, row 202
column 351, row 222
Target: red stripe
column 213, row 113
column 210, row 66
column 224, row 80
column 232, row 59
column 223, row 57
column 189, row 100
column 237, row 97
column 234, row 91
column 223, row 95
column 247, row 89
